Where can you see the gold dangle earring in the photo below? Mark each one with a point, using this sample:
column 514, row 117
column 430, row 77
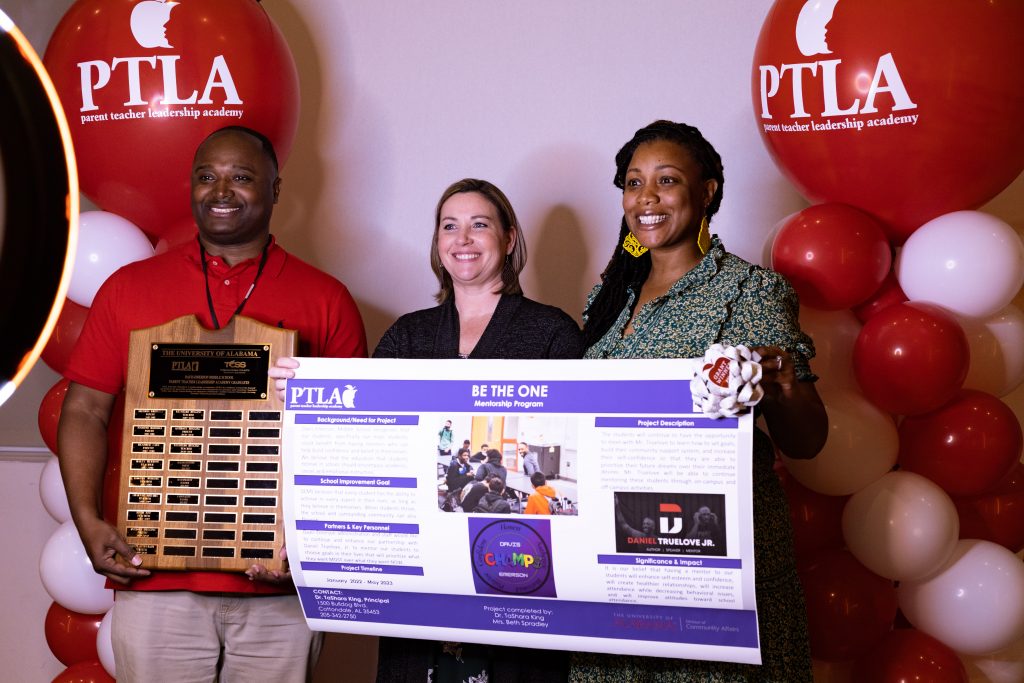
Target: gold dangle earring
column 704, row 236
column 633, row 246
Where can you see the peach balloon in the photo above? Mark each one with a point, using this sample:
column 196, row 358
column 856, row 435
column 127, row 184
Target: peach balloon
column 902, row 526
column 862, row 446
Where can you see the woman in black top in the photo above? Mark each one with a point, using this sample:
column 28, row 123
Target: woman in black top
column 477, row 252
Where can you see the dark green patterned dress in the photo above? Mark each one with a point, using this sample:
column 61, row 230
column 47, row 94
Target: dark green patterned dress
column 725, row 299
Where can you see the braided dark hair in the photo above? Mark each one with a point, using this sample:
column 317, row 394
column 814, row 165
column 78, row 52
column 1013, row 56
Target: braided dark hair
column 624, row 271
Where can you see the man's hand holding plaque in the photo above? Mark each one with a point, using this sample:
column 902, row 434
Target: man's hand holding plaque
column 258, row 572
column 109, row 554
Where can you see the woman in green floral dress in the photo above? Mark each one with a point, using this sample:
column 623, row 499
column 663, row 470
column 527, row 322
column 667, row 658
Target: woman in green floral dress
column 679, row 294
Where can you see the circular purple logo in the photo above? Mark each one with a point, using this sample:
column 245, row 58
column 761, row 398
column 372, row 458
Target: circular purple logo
column 511, row 557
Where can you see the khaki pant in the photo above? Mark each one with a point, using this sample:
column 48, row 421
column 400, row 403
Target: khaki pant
column 190, row 637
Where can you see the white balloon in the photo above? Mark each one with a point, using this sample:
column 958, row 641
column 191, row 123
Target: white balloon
column 834, row 333
column 862, row 446
column 997, row 351
column 52, row 493
column 105, row 243
column 974, row 604
column 902, row 526
column 966, row 261
column 68, row 576
column 104, row 646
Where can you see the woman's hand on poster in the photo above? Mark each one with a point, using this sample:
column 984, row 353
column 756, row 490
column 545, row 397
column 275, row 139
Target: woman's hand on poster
column 794, row 412
column 777, row 370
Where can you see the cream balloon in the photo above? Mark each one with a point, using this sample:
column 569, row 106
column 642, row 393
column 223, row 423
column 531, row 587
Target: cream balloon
column 862, row 446
column 104, row 646
column 1004, row 666
column 68, row 576
column 968, row 262
column 769, row 238
column 834, row 334
column 51, row 491
column 997, row 351
column 105, row 243
column 902, row 526
column 974, row 603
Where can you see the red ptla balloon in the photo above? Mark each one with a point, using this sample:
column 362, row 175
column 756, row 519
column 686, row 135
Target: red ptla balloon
column 144, row 81
column 998, row 514
column 906, row 109
column 967, row 446
column 910, row 358
column 834, row 255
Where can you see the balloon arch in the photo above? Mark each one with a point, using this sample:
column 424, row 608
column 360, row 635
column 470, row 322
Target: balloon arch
column 907, row 524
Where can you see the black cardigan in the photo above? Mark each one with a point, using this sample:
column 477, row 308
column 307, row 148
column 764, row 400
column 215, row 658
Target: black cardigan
column 519, row 329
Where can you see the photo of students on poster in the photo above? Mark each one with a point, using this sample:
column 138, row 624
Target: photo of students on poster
column 533, row 456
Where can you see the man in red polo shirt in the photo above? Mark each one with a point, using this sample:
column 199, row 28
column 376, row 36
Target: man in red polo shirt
column 199, row 625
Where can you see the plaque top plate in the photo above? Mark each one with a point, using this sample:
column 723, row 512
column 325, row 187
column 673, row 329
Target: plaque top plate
column 205, row 371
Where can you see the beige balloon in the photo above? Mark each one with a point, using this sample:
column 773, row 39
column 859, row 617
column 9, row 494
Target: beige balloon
column 902, row 526
column 862, row 446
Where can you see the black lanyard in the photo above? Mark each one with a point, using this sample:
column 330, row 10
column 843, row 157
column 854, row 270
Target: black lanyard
column 206, row 281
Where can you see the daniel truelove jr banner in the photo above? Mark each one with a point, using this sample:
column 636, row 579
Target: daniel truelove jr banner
column 635, row 538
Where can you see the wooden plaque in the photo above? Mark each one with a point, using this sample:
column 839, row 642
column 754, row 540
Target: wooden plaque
column 201, row 446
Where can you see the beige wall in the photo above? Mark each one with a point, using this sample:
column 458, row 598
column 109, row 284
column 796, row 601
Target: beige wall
column 401, row 98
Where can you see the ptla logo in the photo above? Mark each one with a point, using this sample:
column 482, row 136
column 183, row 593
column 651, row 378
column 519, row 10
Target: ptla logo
column 324, row 396
column 811, row 33
column 131, row 74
